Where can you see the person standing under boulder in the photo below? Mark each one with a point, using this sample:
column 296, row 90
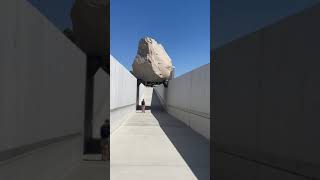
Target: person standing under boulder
column 143, row 105
column 105, row 134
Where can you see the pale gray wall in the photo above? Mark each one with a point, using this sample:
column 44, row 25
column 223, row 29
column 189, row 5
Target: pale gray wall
column 101, row 101
column 188, row 99
column 42, row 77
column 123, row 89
column 266, row 97
column 141, row 92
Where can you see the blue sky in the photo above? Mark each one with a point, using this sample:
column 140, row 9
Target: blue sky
column 181, row 26
column 57, row 11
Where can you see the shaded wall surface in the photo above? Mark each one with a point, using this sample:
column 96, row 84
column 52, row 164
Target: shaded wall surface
column 267, row 102
column 42, row 76
column 188, row 99
column 101, row 101
column 123, row 93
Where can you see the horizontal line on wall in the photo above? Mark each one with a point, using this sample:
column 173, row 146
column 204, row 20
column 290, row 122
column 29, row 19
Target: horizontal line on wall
column 254, row 158
column 197, row 113
column 14, row 152
column 133, row 104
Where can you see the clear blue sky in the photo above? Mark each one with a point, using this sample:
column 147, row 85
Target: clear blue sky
column 181, row 26
column 57, row 11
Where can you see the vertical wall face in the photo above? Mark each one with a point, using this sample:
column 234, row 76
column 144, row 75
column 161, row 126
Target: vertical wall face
column 123, row 93
column 267, row 102
column 101, row 101
column 188, row 99
column 42, row 76
column 141, row 93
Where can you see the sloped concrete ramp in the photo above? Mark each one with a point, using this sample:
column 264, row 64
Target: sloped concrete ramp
column 154, row 145
column 91, row 168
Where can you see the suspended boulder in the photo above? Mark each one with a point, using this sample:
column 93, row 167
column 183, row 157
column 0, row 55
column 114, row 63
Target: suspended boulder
column 152, row 63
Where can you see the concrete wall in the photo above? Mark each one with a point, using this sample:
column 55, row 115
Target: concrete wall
column 266, row 96
column 42, row 76
column 188, row 99
column 123, row 94
column 101, row 101
column 141, row 92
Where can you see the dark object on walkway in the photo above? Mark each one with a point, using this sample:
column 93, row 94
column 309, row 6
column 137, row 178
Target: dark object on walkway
column 143, row 105
column 105, row 136
column 105, row 130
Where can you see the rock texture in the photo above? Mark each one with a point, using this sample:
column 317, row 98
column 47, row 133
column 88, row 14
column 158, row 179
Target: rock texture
column 89, row 20
column 152, row 63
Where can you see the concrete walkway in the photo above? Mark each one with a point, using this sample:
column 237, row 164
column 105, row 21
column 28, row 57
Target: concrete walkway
column 91, row 168
column 154, row 145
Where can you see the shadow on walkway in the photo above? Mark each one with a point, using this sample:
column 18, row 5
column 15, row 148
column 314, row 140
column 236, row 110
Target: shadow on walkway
column 146, row 108
column 193, row 148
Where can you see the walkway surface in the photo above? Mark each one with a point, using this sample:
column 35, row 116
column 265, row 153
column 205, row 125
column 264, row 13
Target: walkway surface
column 91, row 168
column 154, row 145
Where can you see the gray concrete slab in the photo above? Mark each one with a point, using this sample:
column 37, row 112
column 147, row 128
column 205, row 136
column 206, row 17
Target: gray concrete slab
column 154, row 145
column 90, row 168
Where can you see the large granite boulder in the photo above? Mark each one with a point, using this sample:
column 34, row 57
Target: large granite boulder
column 152, row 63
column 90, row 32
